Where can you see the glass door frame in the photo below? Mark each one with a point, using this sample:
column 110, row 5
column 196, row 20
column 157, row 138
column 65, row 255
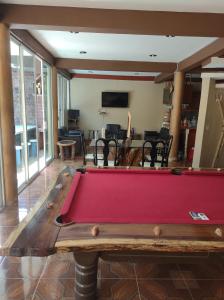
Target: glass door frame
column 61, row 104
column 23, row 117
column 23, row 112
column 28, row 179
column 64, row 96
column 49, row 108
column 43, row 114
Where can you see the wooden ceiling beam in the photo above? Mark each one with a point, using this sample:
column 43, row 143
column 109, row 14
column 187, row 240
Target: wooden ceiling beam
column 65, row 73
column 194, row 62
column 207, row 70
column 29, row 41
column 197, row 59
column 114, row 65
column 112, row 21
column 114, row 77
column 206, row 62
column 164, row 77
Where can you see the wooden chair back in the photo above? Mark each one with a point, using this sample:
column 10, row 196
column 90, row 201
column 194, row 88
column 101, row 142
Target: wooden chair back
column 107, row 143
column 158, row 151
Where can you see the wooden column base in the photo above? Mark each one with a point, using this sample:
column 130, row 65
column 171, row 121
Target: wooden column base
column 86, row 276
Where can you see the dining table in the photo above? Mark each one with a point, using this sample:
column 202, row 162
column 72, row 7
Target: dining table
column 130, row 151
column 130, row 143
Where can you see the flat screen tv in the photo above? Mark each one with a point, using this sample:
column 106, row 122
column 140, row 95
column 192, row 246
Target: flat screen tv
column 114, row 99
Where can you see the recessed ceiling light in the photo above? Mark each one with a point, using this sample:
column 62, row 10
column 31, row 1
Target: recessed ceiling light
column 82, row 52
column 170, row 36
column 152, row 55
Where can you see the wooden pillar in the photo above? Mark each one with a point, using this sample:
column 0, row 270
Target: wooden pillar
column 7, row 119
column 55, row 109
column 176, row 113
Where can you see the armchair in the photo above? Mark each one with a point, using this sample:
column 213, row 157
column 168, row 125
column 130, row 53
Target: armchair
column 112, row 130
column 115, row 131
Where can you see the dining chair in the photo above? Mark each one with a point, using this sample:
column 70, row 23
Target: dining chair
column 156, row 152
column 109, row 150
column 169, row 142
column 87, row 156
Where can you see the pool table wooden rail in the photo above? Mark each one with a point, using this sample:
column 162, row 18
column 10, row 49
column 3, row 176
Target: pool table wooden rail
column 126, row 237
column 38, row 235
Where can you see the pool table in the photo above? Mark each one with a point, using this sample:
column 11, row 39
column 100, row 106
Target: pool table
column 118, row 212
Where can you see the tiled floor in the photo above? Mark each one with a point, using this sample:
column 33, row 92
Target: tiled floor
column 52, row 278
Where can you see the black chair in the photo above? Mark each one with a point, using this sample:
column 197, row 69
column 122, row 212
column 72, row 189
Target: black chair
column 107, row 143
column 164, row 133
column 156, row 152
column 112, row 131
column 169, row 143
column 122, row 134
column 150, row 134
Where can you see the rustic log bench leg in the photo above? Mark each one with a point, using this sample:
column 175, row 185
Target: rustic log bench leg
column 86, row 276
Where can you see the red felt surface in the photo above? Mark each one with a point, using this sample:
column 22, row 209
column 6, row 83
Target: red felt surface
column 131, row 196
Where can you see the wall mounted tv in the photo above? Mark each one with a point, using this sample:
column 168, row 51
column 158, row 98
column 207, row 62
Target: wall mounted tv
column 114, row 99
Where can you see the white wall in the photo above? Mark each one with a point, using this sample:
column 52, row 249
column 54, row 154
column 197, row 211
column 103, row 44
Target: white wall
column 145, row 103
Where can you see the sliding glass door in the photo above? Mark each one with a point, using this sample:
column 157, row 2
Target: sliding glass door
column 61, row 109
column 48, row 130
column 20, row 125
column 40, row 111
column 63, row 100
column 32, row 112
column 30, row 109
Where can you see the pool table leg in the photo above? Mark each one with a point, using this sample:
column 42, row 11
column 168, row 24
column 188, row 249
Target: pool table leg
column 86, row 275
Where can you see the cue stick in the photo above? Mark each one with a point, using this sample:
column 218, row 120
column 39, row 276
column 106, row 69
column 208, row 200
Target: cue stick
column 221, row 138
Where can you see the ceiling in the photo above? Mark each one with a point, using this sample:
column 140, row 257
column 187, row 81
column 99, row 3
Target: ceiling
column 119, row 46
column 124, row 47
column 211, row 6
